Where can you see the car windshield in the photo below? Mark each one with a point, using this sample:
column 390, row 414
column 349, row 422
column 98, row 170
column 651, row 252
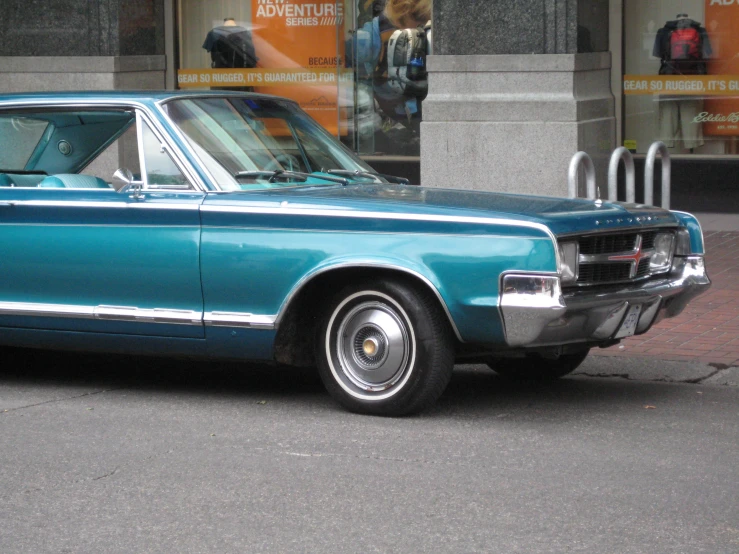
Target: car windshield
column 246, row 142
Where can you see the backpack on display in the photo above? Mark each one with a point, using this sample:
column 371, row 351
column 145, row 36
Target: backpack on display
column 685, row 44
column 406, row 62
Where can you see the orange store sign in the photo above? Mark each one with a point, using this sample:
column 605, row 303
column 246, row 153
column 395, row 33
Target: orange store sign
column 300, row 56
column 723, row 28
column 685, row 85
column 199, row 78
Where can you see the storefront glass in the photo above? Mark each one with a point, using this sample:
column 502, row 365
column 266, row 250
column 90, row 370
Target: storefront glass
column 343, row 62
column 681, row 82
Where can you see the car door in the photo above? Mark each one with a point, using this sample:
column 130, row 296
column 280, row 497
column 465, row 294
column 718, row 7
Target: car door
column 105, row 260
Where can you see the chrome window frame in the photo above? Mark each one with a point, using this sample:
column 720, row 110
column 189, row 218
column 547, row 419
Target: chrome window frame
column 141, row 120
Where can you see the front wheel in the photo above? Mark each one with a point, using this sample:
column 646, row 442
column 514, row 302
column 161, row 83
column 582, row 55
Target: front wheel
column 533, row 367
column 385, row 348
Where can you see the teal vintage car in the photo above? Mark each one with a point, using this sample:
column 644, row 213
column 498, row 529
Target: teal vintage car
column 230, row 225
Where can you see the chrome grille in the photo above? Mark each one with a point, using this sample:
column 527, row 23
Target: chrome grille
column 614, row 258
column 604, row 273
column 647, row 240
column 643, row 269
column 607, row 244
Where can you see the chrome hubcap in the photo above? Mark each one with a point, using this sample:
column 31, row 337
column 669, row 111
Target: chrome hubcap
column 373, row 346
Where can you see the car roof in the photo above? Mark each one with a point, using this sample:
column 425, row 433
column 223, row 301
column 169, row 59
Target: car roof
column 139, row 96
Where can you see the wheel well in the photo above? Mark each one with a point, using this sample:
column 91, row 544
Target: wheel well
column 295, row 340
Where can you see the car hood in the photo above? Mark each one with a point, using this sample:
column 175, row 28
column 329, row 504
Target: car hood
column 561, row 215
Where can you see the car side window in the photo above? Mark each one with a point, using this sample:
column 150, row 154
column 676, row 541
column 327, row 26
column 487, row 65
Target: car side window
column 123, row 152
column 161, row 170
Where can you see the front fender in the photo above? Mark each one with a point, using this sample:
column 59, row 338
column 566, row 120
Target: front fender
column 463, row 273
column 691, row 223
column 420, row 273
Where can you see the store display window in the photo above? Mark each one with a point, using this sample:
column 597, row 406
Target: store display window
column 356, row 66
column 681, row 82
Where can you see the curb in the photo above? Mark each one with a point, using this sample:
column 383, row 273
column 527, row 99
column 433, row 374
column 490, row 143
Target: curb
column 645, row 369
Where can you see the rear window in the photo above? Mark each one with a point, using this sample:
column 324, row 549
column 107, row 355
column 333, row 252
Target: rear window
column 19, row 138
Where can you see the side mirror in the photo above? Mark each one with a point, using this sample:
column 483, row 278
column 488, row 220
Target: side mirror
column 123, row 182
column 122, row 178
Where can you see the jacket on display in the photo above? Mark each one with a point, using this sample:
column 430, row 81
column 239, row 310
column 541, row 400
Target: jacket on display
column 230, row 46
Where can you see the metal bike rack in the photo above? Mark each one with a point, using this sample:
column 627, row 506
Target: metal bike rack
column 577, row 159
column 619, row 154
column 649, row 174
column 622, row 153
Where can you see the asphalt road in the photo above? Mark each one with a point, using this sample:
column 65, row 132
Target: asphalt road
column 107, row 454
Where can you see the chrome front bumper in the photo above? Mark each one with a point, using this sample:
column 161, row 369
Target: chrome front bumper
column 536, row 313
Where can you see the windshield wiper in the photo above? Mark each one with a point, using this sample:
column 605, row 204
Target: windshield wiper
column 272, row 176
column 358, row 173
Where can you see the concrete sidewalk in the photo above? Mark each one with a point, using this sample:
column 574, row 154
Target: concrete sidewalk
column 706, row 334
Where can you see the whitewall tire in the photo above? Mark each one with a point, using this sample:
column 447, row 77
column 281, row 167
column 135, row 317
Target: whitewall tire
column 385, row 348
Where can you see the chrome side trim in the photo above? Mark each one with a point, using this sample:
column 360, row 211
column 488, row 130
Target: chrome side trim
column 347, row 232
column 374, row 215
column 111, row 313
column 239, row 319
column 307, row 278
column 144, row 315
column 46, row 310
column 154, row 315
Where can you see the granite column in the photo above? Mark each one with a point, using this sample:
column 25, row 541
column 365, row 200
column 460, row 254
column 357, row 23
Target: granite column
column 515, row 89
column 79, row 45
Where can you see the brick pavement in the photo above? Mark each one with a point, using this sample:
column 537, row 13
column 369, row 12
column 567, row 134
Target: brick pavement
column 708, row 330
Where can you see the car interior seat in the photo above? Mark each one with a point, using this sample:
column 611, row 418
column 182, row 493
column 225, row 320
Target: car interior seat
column 73, row 181
column 20, row 180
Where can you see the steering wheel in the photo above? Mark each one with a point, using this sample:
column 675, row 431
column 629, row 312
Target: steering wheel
column 287, row 162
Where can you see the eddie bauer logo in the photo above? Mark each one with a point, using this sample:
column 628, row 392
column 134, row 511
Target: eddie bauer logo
column 705, row 117
column 322, row 102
